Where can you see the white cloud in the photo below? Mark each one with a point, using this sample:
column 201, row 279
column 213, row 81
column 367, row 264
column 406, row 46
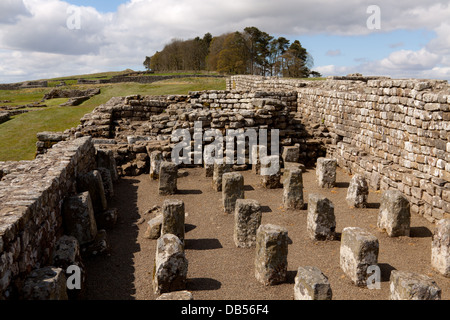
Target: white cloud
column 37, row 28
column 411, row 60
column 11, row 10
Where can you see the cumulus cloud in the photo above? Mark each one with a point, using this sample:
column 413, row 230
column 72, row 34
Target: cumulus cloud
column 38, row 29
column 12, row 10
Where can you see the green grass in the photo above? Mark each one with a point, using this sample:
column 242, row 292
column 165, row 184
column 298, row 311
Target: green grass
column 18, row 136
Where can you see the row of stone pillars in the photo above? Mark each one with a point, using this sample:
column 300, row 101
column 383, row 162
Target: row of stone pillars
column 358, row 252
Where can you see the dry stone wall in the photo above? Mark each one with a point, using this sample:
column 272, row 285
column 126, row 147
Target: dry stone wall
column 135, row 126
column 31, row 197
column 393, row 132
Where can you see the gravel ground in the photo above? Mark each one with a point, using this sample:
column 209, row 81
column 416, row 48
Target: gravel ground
column 220, row 271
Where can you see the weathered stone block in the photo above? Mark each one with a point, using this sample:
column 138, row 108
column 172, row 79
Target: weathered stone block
column 67, row 253
column 168, row 175
column 78, row 218
column 293, row 190
column 394, row 216
column 413, row 286
column 271, row 254
column 177, row 295
column 171, row 265
column 321, row 222
column 357, row 192
column 105, row 159
column 108, row 185
column 271, row 172
column 247, row 219
column 155, row 164
column 218, row 170
column 358, row 251
column 154, row 228
column 173, row 218
column 92, row 182
column 311, row 284
column 107, row 219
column 47, row 283
column 291, row 154
column 440, row 247
column 232, row 189
column 255, row 161
column 326, row 172
column 98, row 246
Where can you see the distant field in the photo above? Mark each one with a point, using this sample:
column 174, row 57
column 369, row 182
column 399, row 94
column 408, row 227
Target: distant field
column 18, row 136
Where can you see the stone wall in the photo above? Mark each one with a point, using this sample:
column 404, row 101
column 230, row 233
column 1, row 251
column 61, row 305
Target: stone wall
column 394, row 132
column 24, row 85
column 31, row 196
column 4, row 116
column 134, row 126
column 141, row 79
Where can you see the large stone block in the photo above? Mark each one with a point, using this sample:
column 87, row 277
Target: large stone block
column 232, row 189
column 291, row 154
column 271, row 172
column 440, row 247
column 173, row 221
column 293, row 190
column 271, row 254
column 321, row 221
column 105, row 159
column 168, row 175
column 413, row 286
column 394, row 216
column 67, row 253
column 47, row 283
column 311, row 284
column 108, row 185
column 78, row 218
column 357, row 192
column 326, row 172
column 154, row 228
column 171, row 265
column 92, row 182
column 177, row 295
column 358, row 251
column 156, row 159
column 247, row 219
column 219, row 168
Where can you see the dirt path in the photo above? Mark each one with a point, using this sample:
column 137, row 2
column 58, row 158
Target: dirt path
column 219, row 270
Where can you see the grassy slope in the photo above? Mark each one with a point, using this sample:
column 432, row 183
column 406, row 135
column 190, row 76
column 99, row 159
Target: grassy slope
column 18, row 136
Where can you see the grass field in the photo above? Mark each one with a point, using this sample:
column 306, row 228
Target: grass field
column 18, row 136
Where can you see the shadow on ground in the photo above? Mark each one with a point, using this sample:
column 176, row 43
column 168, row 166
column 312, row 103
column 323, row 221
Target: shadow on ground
column 111, row 276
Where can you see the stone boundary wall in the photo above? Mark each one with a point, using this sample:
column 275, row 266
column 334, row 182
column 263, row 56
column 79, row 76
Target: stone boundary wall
column 394, row 132
column 141, row 79
column 31, row 195
column 4, row 116
column 24, row 85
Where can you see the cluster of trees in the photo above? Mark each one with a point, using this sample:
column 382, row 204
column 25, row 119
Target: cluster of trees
column 249, row 52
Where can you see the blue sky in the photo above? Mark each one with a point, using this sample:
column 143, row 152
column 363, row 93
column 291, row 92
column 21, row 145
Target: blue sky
column 100, row 5
column 36, row 40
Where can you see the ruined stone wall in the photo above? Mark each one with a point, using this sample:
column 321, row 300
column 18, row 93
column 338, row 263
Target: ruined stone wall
column 141, row 79
column 24, row 85
column 395, row 132
column 31, row 195
column 136, row 125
